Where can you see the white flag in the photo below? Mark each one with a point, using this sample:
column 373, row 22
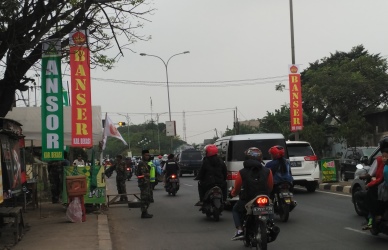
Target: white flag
column 111, row 130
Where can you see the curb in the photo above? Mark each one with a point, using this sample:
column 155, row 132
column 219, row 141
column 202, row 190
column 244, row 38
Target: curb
column 335, row 188
column 104, row 240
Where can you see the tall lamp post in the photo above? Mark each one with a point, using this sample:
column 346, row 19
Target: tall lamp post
column 166, row 66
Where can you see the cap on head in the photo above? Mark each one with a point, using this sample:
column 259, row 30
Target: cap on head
column 145, row 151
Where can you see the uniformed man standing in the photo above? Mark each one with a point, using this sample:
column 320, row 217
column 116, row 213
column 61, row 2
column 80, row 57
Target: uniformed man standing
column 143, row 175
column 120, row 177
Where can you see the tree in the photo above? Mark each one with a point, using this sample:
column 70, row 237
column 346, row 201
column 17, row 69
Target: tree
column 277, row 122
column 355, row 81
column 25, row 24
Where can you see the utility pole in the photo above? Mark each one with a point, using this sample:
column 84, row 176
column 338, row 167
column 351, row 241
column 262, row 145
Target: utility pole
column 184, row 125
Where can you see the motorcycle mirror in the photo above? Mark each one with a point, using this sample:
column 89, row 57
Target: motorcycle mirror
column 359, row 166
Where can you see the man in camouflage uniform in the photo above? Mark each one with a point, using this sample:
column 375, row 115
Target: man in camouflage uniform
column 143, row 179
column 120, row 177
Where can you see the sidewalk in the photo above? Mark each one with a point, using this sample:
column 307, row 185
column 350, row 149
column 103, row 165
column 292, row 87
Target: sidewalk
column 47, row 227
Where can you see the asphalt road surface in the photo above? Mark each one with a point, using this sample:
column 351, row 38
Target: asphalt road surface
column 321, row 221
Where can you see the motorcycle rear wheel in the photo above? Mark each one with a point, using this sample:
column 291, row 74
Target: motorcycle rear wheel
column 285, row 212
column 261, row 235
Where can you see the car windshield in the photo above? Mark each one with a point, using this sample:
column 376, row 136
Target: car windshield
column 368, row 151
column 237, row 148
column 191, row 156
column 300, row 149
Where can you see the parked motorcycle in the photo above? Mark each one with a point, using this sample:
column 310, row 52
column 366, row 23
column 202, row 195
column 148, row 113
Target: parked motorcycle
column 172, row 185
column 213, row 203
column 258, row 227
column 283, row 200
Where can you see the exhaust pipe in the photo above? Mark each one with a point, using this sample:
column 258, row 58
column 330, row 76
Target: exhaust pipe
column 273, row 233
column 293, row 205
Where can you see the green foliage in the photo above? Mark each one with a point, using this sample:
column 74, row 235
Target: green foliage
column 277, row 122
column 315, row 134
column 332, row 85
column 354, row 130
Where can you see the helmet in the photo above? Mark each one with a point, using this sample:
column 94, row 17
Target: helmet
column 211, row 150
column 276, row 152
column 165, row 157
column 253, row 153
column 160, row 157
column 383, row 143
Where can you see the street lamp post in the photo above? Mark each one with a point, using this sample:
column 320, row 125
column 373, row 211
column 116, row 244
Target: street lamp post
column 166, row 66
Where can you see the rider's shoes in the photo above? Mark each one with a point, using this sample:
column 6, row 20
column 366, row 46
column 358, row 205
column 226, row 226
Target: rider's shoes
column 238, row 236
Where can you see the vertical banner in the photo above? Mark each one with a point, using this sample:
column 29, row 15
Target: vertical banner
column 52, row 102
column 296, row 111
column 170, row 128
column 81, row 104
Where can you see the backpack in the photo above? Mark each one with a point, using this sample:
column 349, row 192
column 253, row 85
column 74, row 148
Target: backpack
column 254, row 182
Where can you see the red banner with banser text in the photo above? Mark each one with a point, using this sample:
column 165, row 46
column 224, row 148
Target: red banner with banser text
column 81, row 104
column 296, row 111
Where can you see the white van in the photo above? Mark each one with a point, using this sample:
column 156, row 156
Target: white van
column 232, row 148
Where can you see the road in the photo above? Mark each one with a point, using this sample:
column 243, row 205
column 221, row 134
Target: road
column 321, row 221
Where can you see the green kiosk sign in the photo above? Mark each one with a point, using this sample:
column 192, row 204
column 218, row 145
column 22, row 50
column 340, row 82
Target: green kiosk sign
column 329, row 172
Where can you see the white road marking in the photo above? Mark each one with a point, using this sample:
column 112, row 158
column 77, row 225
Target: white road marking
column 358, row 231
column 188, row 185
column 321, row 191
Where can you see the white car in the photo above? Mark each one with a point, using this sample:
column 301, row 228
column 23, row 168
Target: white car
column 304, row 164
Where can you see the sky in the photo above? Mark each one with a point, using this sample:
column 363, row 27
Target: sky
column 239, row 52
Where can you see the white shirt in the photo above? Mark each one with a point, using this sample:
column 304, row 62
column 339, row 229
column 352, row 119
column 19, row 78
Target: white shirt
column 76, row 162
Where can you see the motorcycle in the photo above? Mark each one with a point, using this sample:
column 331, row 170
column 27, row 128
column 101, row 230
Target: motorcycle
column 283, row 202
column 359, row 185
column 213, row 203
column 172, row 185
column 258, row 226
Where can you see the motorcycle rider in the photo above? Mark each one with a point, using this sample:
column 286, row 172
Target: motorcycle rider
column 254, row 179
column 212, row 173
column 369, row 198
column 280, row 167
column 170, row 169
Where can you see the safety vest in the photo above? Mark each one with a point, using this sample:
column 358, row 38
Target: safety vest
column 152, row 171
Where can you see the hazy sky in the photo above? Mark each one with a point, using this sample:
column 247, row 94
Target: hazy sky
column 230, row 41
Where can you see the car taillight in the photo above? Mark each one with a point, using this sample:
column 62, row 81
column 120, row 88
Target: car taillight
column 311, row 158
column 262, row 201
column 231, row 176
column 173, row 176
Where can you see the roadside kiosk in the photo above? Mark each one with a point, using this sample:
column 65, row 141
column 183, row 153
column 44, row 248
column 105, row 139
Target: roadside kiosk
column 11, row 216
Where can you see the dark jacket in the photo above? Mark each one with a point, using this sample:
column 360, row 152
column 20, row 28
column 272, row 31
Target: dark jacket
column 213, row 171
column 171, row 168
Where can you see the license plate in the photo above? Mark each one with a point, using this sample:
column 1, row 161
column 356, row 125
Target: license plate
column 173, row 180
column 287, row 200
column 262, row 210
column 296, row 163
